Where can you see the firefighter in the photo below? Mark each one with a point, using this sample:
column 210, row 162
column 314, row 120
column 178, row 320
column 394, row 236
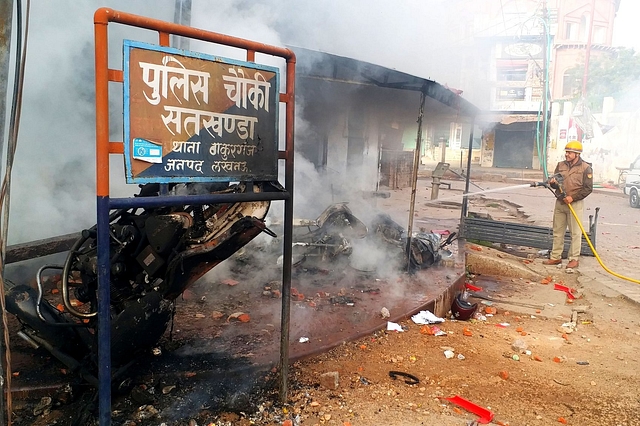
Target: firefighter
column 573, row 182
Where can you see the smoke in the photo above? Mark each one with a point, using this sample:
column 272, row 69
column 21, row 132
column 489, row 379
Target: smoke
column 53, row 180
column 53, row 187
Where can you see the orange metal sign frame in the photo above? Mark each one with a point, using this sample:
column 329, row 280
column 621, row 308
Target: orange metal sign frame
column 104, row 147
column 104, row 75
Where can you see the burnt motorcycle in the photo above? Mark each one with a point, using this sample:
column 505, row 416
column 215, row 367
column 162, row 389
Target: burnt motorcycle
column 330, row 239
column 155, row 254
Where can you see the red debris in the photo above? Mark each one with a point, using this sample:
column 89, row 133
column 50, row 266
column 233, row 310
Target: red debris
column 485, row 415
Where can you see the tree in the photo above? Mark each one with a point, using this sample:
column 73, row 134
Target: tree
column 609, row 75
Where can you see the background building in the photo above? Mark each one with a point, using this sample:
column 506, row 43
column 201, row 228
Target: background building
column 518, row 50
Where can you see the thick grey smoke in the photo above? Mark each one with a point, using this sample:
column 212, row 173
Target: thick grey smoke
column 53, row 181
column 53, row 188
column 54, row 176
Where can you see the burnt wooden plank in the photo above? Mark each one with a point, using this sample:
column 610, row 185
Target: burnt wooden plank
column 39, row 248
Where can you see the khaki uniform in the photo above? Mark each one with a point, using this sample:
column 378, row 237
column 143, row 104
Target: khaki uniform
column 578, row 183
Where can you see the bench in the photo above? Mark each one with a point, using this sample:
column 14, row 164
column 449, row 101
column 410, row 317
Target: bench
column 519, row 234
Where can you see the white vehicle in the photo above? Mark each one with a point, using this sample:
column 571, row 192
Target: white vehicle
column 632, row 183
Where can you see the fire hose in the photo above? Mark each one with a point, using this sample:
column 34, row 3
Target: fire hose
column 561, row 196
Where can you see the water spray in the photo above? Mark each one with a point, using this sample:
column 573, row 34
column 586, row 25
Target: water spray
column 485, row 191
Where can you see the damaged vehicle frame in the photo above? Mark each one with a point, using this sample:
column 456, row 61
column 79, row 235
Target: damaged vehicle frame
column 155, row 254
column 331, row 237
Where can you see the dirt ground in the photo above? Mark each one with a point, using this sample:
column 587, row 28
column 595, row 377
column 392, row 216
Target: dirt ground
column 585, row 373
column 581, row 368
column 588, row 376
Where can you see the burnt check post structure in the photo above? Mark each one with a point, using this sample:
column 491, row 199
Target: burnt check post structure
column 189, row 117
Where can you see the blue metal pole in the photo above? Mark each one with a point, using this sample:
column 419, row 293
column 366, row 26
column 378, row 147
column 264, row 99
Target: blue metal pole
column 104, row 313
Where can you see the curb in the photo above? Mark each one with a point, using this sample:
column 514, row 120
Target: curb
column 608, row 192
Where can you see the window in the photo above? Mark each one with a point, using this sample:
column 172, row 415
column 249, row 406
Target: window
column 569, row 85
column 512, row 73
column 599, row 35
column 584, row 26
column 571, row 31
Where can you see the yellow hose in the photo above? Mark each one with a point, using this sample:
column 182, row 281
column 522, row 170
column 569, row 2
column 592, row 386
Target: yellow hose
column 573, row 212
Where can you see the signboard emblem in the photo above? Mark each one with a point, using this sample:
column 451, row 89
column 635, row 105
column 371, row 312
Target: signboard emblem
column 191, row 117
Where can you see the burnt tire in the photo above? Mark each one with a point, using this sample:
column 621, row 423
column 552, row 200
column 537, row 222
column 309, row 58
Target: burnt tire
column 634, row 199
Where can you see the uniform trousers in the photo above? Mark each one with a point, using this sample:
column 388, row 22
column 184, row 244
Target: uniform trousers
column 562, row 218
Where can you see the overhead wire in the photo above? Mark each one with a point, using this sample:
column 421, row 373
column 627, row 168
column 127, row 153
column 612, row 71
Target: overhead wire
column 5, row 191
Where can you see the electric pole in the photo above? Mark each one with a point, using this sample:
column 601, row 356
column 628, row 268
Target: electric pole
column 6, row 16
column 182, row 16
column 587, row 53
column 545, row 80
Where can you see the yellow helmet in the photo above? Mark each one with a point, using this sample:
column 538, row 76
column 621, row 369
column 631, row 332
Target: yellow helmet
column 574, row 146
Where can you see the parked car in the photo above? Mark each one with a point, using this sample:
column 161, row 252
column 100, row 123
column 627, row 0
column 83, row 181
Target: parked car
column 632, row 183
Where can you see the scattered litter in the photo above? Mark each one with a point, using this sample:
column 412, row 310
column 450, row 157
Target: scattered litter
column 432, row 331
column 504, row 375
column 425, row 329
column 426, row 317
column 515, row 357
column 582, row 362
column 392, row 326
column 448, row 354
column 519, row 346
column 230, row 282
column 43, row 407
column 240, row 316
column 485, row 416
column 487, row 302
column 560, row 383
column 410, row 378
column 479, row 317
column 217, row 315
column 303, row 339
column 503, row 325
column 385, row 313
column 566, row 289
column 167, row 389
column 461, row 357
column 472, row 287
